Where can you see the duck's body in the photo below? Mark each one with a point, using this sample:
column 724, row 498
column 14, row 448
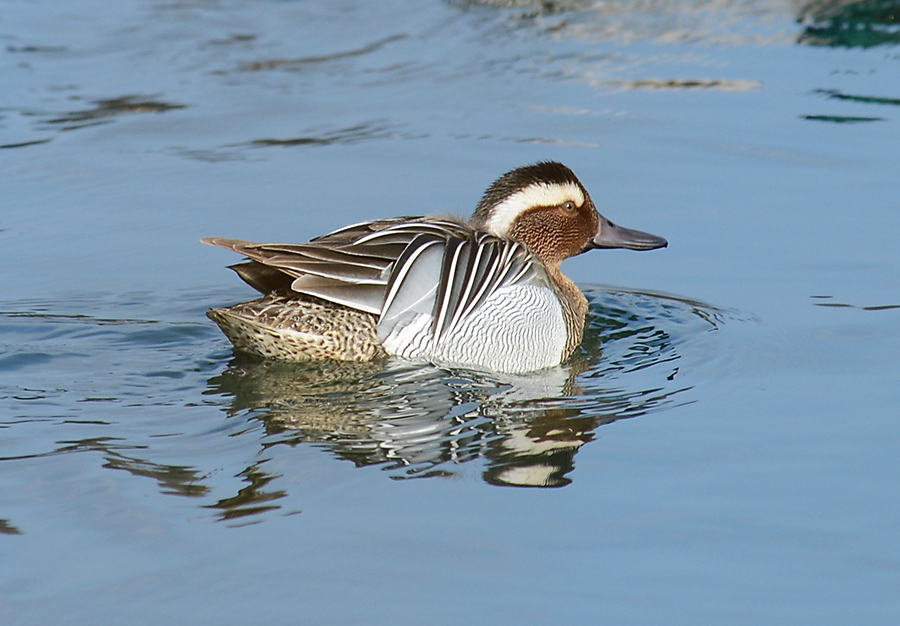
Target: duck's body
column 486, row 293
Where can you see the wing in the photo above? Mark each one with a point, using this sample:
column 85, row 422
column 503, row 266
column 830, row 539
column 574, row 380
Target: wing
column 396, row 269
column 350, row 266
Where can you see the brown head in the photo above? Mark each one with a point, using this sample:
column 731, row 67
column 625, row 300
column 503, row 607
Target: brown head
column 547, row 208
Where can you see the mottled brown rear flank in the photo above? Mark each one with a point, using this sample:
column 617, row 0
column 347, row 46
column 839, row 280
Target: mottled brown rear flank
column 289, row 328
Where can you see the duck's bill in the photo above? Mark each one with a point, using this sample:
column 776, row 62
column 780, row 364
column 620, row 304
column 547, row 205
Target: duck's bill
column 612, row 236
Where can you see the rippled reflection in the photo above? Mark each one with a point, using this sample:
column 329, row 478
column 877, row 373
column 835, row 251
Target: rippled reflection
column 105, row 109
column 252, row 499
column 418, row 421
column 851, row 24
column 684, row 21
column 326, row 137
column 840, row 23
column 304, row 62
column 172, row 479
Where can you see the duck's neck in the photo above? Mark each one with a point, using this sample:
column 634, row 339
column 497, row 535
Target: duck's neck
column 575, row 307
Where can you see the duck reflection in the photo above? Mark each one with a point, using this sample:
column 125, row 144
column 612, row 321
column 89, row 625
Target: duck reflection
column 418, row 420
column 414, row 419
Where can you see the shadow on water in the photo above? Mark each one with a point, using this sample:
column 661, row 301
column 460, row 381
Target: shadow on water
column 422, row 421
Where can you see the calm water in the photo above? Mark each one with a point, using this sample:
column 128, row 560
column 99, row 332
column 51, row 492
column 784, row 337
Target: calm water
column 729, row 455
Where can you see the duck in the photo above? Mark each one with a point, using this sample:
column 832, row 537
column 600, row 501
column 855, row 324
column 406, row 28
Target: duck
column 487, row 293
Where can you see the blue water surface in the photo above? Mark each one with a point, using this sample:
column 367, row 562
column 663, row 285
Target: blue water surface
column 723, row 448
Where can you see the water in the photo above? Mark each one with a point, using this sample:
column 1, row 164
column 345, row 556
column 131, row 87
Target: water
column 722, row 450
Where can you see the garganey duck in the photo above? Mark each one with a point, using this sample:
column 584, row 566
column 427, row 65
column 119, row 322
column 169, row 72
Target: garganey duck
column 487, row 293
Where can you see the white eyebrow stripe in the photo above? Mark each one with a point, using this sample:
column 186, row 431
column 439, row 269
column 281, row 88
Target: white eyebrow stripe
column 538, row 194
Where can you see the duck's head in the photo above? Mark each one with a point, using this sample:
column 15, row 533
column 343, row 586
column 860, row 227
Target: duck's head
column 547, row 208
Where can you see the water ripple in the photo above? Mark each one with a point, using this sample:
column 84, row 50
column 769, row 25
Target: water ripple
column 105, row 109
column 303, row 62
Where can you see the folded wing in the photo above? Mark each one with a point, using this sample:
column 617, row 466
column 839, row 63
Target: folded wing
column 395, row 269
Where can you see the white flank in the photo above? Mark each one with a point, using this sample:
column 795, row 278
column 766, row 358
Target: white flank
column 539, row 194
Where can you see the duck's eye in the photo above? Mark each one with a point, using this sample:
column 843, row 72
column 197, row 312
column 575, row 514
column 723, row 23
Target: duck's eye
column 569, row 207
